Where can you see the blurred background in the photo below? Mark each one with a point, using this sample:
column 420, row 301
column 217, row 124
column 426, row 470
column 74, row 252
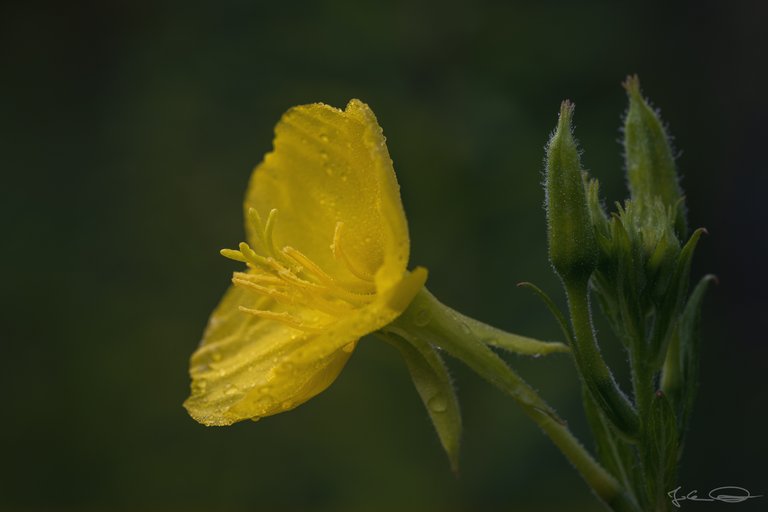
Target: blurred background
column 128, row 131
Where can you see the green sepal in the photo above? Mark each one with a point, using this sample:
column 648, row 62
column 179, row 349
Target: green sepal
column 433, row 383
column 515, row 343
column 660, row 450
column 427, row 319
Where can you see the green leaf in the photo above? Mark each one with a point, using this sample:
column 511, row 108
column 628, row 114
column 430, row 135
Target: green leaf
column 559, row 317
column 435, row 388
column 660, row 450
column 616, row 455
column 690, row 347
column 673, row 300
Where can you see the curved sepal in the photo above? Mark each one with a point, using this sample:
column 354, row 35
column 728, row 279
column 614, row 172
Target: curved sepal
column 433, row 383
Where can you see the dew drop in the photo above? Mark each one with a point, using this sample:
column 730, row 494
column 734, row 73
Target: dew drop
column 230, row 390
column 422, row 317
column 329, row 170
column 536, row 356
column 286, row 405
column 264, row 402
column 437, row 403
column 285, row 367
column 216, row 356
column 199, row 386
column 324, row 137
column 349, row 347
column 324, row 155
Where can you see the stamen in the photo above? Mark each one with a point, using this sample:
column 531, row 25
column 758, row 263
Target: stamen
column 268, row 229
column 256, row 226
column 278, row 295
column 299, row 257
column 287, row 275
column 283, row 317
column 260, row 278
column 309, row 298
column 341, row 255
column 233, row 255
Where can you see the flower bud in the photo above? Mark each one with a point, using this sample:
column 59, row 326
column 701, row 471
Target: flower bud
column 649, row 160
column 573, row 248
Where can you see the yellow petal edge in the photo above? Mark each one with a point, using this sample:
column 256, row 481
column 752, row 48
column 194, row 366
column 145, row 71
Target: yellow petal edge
column 326, row 254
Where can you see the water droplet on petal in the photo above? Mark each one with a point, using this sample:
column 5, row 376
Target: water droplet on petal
column 324, row 137
column 264, row 402
column 286, row 405
column 231, row 389
column 349, row 347
column 199, row 386
column 324, row 155
column 216, row 356
column 437, row 403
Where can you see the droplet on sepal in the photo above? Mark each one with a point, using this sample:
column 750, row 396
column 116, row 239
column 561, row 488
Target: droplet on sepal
column 438, row 403
column 422, row 317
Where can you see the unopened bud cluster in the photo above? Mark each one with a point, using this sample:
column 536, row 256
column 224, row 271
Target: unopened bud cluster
column 636, row 261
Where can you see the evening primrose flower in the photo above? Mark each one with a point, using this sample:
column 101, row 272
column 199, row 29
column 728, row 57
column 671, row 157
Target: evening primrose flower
column 326, row 254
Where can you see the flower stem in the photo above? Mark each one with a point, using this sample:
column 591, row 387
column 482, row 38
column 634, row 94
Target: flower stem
column 591, row 365
column 429, row 320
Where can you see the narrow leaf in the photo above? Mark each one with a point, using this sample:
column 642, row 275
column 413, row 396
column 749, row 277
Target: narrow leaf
column 660, row 450
column 690, row 347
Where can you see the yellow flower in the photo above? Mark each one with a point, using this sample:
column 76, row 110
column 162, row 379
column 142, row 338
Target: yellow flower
column 326, row 264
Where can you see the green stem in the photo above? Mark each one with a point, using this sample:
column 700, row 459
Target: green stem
column 591, row 365
column 427, row 319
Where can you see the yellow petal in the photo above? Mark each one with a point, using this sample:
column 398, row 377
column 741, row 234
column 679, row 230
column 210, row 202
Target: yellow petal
column 331, row 166
column 252, row 367
column 246, row 366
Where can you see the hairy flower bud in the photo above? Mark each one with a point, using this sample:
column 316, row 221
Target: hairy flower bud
column 573, row 248
column 649, row 160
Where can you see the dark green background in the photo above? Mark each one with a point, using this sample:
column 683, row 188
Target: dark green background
column 127, row 134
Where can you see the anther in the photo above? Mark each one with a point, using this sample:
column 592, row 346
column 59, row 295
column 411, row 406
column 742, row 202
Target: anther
column 233, row 255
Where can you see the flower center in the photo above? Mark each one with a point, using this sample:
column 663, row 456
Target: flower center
column 292, row 279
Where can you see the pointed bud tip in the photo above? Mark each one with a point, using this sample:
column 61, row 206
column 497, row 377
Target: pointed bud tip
column 566, row 113
column 713, row 278
column 632, row 85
